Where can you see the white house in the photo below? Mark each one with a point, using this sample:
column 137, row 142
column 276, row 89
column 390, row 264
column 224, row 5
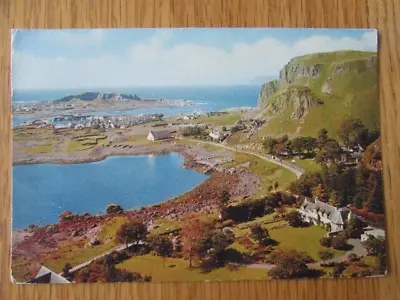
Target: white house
column 47, row 276
column 216, row 135
column 158, row 135
column 322, row 213
column 374, row 232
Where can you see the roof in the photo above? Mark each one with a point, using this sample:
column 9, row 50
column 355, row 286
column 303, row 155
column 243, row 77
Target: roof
column 47, row 276
column 334, row 214
column 160, row 134
column 376, row 233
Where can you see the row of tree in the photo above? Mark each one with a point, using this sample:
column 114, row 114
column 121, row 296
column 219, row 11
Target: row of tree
column 340, row 186
column 352, row 132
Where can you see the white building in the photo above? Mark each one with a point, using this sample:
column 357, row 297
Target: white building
column 158, row 135
column 321, row 213
column 374, row 232
column 216, row 135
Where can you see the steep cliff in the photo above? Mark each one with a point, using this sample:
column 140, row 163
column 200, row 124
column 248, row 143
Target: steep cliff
column 321, row 90
column 297, row 99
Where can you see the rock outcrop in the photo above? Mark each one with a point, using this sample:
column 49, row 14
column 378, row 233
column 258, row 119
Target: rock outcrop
column 299, row 99
column 267, row 90
column 292, row 73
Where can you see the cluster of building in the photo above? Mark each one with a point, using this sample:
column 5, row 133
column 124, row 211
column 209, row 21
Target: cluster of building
column 333, row 218
column 80, row 121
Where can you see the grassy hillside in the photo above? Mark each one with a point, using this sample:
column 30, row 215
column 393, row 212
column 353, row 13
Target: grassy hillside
column 353, row 80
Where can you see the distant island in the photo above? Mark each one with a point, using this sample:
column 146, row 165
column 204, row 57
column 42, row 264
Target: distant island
column 88, row 102
column 94, row 96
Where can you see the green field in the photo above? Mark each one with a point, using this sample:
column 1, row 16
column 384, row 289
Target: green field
column 75, row 255
column 307, row 164
column 301, row 239
column 38, row 149
column 176, row 269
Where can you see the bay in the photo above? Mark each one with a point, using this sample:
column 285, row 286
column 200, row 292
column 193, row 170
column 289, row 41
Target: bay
column 42, row 191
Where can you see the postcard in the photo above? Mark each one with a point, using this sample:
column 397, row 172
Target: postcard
column 196, row 154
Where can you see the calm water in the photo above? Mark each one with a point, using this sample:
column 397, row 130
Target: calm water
column 206, row 98
column 41, row 192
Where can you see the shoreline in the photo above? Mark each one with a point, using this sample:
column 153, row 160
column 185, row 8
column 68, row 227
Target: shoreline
column 106, row 109
column 169, row 147
column 189, row 154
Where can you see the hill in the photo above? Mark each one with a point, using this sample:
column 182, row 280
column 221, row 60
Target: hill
column 320, row 90
column 93, row 96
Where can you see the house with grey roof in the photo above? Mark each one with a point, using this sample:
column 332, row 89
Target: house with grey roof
column 324, row 214
column 45, row 275
column 158, row 135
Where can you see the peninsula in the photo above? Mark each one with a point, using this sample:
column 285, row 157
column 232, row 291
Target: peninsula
column 91, row 102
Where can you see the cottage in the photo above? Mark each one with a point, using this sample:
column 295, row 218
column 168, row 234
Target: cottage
column 216, row 135
column 47, row 276
column 158, row 135
column 374, row 232
column 321, row 213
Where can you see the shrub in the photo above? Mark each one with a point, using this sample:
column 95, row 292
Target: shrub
column 339, row 242
column 353, row 257
column 113, row 209
column 326, row 241
column 294, row 219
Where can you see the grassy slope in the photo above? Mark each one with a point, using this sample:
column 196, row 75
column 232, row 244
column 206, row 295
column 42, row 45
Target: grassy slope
column 302, row 239
column 176, row 269
column 269, row 173
column 355, row 94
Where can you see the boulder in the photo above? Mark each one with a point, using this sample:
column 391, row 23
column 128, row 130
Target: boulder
column 113, row 209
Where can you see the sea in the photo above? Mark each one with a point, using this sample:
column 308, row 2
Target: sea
column 206, row 98
column 41, row 192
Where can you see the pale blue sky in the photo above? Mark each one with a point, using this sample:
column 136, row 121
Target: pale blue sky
column 144, row 57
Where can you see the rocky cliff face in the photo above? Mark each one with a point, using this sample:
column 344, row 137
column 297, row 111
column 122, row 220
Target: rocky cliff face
column 300, row 100
column 291, row 73
column 303, row 70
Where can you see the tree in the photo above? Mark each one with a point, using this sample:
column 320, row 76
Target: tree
column 222, row 202
column 289, row 264
column 261, row 235
column 223, row 128
column 269, row 144
column 354, row 227
column 381, row 263
column 353, row 132
column 319, row 192
column 322, row 136
column 294, row 219
column 325, row 241
column 132, row 232
column 375, row 198
column 66, row 269
column 211, row 249
column 298, row 144
column 309, row 143
column 339, row 242
column 305, row 184
column 334, row 199
column 325, row 255
column 192, row 232
column 162, row 246
column 375, row 246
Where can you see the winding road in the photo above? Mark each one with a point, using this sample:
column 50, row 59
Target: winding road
column 294, row 169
